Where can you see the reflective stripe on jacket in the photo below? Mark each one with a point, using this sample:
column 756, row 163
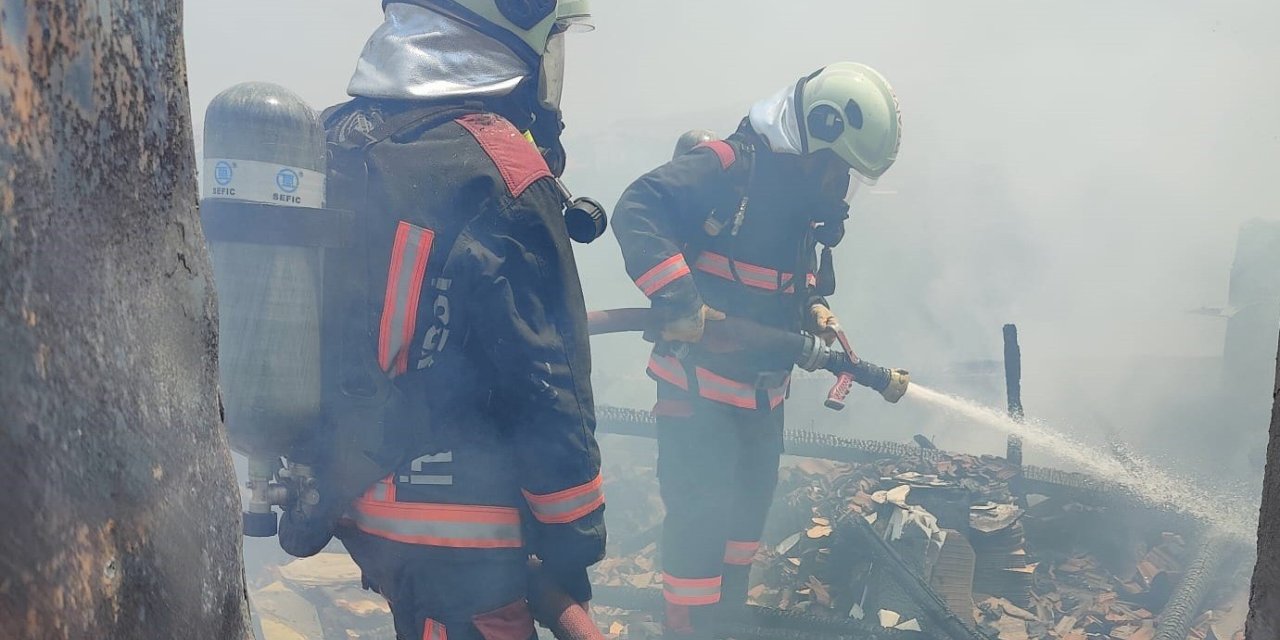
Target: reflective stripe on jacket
column 713, row 386
column 378, row 513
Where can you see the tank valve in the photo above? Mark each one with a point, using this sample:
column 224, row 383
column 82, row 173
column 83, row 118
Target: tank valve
column 260, row 520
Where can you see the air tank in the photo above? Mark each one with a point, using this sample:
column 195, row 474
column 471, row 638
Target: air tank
column 263, row 171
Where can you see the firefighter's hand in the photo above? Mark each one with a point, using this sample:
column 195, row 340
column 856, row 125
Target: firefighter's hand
column 899, row 380
column 690, row 328
column 823, row 323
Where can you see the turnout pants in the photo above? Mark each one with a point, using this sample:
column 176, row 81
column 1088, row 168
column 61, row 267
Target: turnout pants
column 445, row 594
column 717, row 469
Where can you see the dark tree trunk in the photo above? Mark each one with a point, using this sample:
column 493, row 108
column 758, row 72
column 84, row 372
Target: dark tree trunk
column 119, row 515
column 1264, row 596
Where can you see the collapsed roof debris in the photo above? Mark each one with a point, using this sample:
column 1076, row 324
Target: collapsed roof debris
column 988, row 558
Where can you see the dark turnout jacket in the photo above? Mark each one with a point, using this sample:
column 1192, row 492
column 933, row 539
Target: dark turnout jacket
column 476, row 314
column 760, row 266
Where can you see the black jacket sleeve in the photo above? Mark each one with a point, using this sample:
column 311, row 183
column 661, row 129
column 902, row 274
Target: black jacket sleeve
column 662, row 212
column 529, row 323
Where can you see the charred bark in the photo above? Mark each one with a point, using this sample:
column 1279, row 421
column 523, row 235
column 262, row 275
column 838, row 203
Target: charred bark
column 1264, row 594
column 119, row 509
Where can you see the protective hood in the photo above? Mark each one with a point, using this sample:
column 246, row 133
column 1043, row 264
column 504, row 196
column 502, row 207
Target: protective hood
column 418, row 53
column 774, row 118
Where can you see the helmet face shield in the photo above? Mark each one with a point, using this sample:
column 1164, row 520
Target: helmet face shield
column 551, row 72
column 857, row 184
column 571, row 16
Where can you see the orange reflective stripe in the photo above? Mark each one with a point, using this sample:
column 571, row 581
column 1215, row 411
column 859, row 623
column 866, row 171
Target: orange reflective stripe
column 713, row 386
column 383, row 490
column 441, row 525
column 433, row 630
column 567, row 505
column 662, row 274
column 408, row 266
column 740, row 553
column 749, row 274
column 690, row 591
column 723, row 390
column 668, row 369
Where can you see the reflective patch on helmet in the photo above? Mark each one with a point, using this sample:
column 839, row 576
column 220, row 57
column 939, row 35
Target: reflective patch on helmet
column 825, row 123
column 853, row 114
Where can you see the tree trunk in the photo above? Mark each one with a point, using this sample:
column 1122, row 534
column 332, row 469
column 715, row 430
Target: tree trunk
column 1264, row 595
column 119, row 507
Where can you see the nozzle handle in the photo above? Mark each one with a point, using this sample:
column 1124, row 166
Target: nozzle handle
column 836, row 396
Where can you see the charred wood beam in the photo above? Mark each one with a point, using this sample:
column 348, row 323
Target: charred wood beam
column 941, row 621
column 1013, row 371
column 120, row 505
column 1264, row 592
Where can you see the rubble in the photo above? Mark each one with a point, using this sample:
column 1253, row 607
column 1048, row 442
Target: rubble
column 955, row 519
column 1014, row 567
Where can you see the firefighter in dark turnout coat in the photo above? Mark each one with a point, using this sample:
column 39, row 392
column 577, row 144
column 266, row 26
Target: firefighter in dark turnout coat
column 733, row 227
column 477, row 315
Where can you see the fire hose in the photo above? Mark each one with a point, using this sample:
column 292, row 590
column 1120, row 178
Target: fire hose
column 804, row 349
column 555, row 610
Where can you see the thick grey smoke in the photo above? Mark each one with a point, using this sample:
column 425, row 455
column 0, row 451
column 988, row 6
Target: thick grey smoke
column 1079, row 168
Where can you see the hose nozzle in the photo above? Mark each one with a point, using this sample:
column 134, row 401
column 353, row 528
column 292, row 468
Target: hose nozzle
column 899, row 380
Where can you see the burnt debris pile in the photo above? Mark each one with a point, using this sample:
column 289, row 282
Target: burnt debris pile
column 874, row 540
column 915, row 542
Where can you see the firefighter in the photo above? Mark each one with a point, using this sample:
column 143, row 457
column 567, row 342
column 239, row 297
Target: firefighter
column 733, row 227
column 449, row 152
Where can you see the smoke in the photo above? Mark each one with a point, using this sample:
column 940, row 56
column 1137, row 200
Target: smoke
column 1080, row 169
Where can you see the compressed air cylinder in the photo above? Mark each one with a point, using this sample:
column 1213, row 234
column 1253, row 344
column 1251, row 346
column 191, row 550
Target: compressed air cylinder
column 264, row 158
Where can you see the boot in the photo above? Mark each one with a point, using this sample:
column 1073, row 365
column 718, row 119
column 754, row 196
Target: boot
column 683, row 622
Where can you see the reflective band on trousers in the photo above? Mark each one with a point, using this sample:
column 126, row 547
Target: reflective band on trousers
column 433, row 630
column 567, row 505
column 740, row 553
column 750, row 274
column 713, row 386
column 662, row 274
column 440, row 525
column 408, row 265
column 690, row 591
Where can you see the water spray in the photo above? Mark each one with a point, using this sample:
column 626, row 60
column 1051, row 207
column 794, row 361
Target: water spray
column 1140, row 476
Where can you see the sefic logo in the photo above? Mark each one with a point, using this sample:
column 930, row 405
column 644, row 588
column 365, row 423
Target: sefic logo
column 223, row 172
column 287, row 180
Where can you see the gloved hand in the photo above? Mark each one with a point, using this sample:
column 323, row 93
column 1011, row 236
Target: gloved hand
column 899, row 380
column 548, row 580
column 689, row 328
column 823, row 323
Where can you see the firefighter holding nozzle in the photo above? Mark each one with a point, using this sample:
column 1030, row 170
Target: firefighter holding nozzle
column 736, row 227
